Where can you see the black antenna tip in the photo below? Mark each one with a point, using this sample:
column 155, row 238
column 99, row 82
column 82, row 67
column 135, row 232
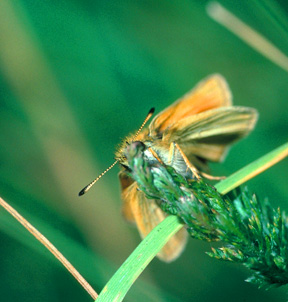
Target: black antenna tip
column 82, row 192
column 151, row 110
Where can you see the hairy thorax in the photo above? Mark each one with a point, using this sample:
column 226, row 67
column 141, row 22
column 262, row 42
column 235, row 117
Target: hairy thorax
column 155, row 150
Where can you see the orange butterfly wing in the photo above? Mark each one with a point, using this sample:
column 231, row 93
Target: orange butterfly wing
column 209, row 134
column 204, row 123
column 210, row 93
column 147, row 215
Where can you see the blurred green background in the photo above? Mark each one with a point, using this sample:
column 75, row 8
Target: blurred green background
column 76, row 77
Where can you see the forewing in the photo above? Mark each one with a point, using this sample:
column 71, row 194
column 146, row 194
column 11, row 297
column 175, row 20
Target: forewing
column 128, row 192
column 147, row 215
column 212, row 92
column 209, row 134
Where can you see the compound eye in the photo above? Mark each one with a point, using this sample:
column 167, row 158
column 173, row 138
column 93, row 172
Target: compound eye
column 140, row 144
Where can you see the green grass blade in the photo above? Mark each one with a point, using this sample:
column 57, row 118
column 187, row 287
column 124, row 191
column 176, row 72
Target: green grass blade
column 119, row 284
column 253, row 169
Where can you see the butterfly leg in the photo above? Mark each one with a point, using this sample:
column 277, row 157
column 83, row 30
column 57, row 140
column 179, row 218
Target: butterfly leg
column 208, row 176
column 187, row 162
column 194, row 170
column 155, row 155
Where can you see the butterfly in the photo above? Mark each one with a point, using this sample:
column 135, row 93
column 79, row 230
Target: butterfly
column 195, row 129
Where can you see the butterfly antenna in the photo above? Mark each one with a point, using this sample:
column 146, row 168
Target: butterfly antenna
column 88, row 187
column 150, row 113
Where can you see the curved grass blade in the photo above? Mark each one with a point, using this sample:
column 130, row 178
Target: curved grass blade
column 252, row 170
column 120, row 283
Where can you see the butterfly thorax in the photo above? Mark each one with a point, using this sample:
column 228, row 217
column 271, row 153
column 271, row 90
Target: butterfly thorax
column 155, row 150
column 174, row 159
